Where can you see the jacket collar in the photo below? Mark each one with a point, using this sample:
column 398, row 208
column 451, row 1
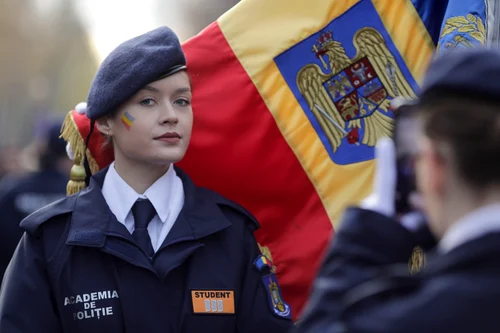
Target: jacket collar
column 91, row 216
column 474, row 225
column 92, row 220
column 485, row 248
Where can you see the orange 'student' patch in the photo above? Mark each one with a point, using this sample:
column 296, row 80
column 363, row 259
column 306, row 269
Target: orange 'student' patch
column 213, row 301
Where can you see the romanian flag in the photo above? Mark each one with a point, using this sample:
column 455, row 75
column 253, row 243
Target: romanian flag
column 262, row 262
column 290, row 98
column 127, row 120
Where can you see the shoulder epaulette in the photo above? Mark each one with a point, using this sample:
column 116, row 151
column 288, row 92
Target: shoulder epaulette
column 222, row 201
column 33, row 221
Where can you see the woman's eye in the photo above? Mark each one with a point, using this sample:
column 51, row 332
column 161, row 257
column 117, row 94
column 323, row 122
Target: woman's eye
column 182, row 102
column 148, row 102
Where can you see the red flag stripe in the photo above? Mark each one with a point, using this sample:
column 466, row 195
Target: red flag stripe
column 235, row 153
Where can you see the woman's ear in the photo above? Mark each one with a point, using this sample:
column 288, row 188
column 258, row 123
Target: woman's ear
column 104, row 126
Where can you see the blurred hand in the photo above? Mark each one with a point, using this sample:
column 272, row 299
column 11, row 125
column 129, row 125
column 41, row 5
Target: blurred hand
column 382, row 199
column 415, row 219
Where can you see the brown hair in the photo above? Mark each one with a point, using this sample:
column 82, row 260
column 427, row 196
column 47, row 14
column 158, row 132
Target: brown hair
column 471, row 129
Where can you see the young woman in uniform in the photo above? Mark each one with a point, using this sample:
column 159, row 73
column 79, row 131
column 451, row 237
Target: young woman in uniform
column 141, row 248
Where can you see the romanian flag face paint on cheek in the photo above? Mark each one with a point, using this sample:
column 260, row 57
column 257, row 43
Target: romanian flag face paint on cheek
column 127, row 120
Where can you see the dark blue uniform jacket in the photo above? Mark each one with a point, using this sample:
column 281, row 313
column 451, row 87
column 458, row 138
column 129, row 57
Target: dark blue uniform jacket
column 21, row 197
column 364, row 284
column 77, row 269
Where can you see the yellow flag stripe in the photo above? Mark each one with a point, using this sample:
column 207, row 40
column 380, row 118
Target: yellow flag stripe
column 408, row 32
column 260, row 30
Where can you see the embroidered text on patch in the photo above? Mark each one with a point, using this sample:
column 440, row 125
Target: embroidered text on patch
column 213, row 301
column 90, row 302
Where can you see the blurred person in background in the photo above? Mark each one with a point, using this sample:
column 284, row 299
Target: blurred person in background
column 364, row 284
column 23, row 194
column 10, row 162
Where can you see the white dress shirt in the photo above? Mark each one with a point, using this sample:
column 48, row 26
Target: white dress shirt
column 472, row 226
column 166, row 195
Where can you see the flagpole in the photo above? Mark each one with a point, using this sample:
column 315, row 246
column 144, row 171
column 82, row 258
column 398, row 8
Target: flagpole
column 493, row 23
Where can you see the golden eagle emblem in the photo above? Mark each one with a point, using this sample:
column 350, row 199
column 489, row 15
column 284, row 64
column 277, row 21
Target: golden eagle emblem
column 276, row 296
column 462, row 31
column 350, row 97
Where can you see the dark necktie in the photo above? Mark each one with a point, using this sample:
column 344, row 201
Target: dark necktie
column 143, row 211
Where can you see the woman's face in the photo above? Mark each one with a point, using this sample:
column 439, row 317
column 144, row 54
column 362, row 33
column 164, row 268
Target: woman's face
column 154, row 126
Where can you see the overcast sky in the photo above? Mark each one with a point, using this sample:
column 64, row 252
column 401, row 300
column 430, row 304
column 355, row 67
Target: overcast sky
column 110, row 22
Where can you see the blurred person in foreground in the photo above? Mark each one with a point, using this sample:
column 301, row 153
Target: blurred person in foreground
column 22, row 195
column 364, row 284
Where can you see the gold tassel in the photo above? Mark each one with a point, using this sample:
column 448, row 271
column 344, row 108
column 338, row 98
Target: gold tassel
column 76, row 179
column 70, row 132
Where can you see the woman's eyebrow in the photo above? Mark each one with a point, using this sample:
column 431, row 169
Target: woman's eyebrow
column 153, row 89
column 182, row 90
column 177, row 91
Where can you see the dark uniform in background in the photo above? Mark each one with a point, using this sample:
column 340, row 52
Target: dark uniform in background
column 364, row 284
column 25, row 194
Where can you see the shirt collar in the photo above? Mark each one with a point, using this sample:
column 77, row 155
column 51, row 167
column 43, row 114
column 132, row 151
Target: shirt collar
column 159, row 194
column 472, row 226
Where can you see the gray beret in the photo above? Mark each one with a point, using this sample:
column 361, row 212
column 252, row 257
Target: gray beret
column 473, row 73
column 131, row 66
